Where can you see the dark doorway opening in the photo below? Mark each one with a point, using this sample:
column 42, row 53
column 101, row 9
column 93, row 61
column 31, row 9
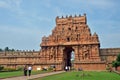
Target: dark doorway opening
column 68, row 56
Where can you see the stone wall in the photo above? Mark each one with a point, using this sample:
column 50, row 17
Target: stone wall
column 109, row 54
column 15, row 59
column 97, row 66
column 21, row 58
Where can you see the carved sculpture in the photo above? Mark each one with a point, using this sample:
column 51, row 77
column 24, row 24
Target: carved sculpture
column 70, row 34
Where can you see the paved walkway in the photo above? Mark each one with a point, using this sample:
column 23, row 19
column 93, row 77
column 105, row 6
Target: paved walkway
column 33, row 76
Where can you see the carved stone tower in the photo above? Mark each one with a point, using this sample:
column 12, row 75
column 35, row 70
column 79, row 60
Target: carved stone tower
column 70, row 35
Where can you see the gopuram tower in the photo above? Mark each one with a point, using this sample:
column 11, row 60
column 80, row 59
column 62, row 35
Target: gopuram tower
column 71, row 44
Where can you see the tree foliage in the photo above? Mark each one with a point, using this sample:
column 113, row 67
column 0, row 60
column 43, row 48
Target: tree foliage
column 6, row 48
column 1, row 49
column 116, row 63
column 118, row 58
column 1, row 67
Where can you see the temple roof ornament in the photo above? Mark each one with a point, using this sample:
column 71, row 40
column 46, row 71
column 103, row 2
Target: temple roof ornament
column 71, row 29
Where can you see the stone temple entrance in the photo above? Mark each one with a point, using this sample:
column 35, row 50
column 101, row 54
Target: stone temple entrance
column 67, row 56
column 70, row 34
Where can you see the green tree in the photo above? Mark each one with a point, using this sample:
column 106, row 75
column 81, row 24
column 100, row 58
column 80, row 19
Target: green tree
column 1, row 67
column 1, row 49
column 6, row 48
column 116, row 63
column 118, row 58
column 12, row 49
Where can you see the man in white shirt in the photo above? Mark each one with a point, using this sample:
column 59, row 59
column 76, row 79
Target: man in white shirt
column 66, row 68
column 29, row 70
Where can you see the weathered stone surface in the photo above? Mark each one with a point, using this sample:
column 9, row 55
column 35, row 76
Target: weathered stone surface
column 70, row 34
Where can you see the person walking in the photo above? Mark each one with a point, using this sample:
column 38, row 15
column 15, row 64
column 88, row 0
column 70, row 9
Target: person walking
column 66, row 68
column 29, row 70
column 69, row 68
column 54, row 67
column 25, row 70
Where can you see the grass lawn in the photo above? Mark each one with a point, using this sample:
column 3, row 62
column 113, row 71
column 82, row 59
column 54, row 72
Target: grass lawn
column 18, row 73
column 87, row 75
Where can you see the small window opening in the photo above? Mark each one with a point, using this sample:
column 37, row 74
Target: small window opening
column 69, row 28
column 68, row 39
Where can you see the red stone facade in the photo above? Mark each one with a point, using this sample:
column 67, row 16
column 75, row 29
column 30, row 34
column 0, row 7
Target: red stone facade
column 71, row 35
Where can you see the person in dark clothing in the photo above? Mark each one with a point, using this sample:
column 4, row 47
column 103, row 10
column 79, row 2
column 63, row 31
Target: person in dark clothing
column 25, row 70
column 54, row 68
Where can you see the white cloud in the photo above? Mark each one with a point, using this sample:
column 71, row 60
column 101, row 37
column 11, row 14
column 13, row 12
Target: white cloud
column 3, row 4
column 47, row 3
column 88, row 4
column 19, row 30
column 101, row 3
column 13, row 6
column 10, row 4
column 98, row 3
column 30, row 19
column 19, row 38
column 110, row 40
column 58, row 11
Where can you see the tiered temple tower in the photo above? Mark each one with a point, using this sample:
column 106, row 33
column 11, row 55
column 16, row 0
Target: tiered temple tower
column 70, row 35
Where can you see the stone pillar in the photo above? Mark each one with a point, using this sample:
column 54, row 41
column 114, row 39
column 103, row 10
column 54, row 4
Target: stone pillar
column 76, row 52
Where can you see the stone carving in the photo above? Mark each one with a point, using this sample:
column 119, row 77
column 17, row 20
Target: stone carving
column 71, row 34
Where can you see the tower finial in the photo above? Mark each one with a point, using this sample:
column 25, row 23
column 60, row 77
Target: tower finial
column 57, row 17
column 84, row 14
column 75, row 15
column 70, row 16
column 66, row 16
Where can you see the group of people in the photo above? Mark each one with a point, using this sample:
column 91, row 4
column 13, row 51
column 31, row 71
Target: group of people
column 27, row 69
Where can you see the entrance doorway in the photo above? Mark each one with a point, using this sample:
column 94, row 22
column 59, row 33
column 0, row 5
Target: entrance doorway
column 68, row 56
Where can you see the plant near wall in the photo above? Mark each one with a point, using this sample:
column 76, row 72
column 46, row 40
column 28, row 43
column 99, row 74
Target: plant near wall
column 20, row 68
column 116, row 63
column 1, row 49
column 1, row 67
column 9, row 69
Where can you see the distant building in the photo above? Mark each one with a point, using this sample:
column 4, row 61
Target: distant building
column 71, row 34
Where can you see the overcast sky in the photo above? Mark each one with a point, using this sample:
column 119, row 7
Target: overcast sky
column 24, row 22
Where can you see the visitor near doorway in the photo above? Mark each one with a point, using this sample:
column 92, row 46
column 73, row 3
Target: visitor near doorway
column 29, row 70
column 25, row 70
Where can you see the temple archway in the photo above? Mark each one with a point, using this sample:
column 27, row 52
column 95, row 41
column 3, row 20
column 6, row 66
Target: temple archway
column 67, row 56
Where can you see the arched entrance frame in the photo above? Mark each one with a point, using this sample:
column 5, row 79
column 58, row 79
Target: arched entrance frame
column 67, row 51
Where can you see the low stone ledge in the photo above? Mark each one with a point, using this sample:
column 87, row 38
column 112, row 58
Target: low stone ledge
column 117, row 72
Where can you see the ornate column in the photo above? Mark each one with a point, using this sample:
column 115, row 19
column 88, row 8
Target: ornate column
column 76, row 52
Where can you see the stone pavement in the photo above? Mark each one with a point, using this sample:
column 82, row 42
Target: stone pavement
column 32, row 76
